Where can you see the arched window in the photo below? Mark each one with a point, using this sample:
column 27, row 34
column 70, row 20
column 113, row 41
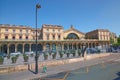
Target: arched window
column 72, row 36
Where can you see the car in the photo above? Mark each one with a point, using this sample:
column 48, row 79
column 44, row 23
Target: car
column 29, row 53
column 3, row 54
column 15, row 53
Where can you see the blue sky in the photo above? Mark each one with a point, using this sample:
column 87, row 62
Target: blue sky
column 84, row 15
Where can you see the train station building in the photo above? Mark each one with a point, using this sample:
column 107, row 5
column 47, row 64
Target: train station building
column 19, row 38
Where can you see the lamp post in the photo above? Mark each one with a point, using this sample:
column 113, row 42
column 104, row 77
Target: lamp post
column 36, row 56
column 84, row 50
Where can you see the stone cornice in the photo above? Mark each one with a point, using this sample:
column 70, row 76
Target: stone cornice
column 72, row 29
column 52, row 26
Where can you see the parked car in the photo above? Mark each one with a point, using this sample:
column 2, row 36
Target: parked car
column 15, row 53
column 29, row 53
column 93, row 50
column 3, row 54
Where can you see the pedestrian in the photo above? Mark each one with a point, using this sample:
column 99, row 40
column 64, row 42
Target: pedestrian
column 44, row 69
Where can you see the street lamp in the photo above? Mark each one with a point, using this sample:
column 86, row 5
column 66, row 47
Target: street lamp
column 83, row 50
column 36, row 56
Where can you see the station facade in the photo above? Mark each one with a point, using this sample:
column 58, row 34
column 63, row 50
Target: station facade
column 50, row 37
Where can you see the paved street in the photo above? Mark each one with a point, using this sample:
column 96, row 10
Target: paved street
column 26, row 75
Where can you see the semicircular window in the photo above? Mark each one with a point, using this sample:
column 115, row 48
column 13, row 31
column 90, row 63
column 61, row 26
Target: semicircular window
column 72, row 36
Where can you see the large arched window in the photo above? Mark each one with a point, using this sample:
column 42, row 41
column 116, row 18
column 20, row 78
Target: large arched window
column 72, row 36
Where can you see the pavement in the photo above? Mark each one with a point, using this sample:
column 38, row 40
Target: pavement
column 29, row 74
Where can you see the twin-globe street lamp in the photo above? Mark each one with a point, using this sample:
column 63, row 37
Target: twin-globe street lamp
column 36, row 56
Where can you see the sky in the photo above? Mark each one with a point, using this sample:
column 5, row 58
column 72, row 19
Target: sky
column 84, row 15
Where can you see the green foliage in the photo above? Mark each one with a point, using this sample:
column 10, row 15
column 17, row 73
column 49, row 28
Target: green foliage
column 17, row 55
column 118, row 39
column 31, row 55
column 1, row 60
column 61, row 55
column 54, row 55
column 68, row 54
column 8, row 56
column 79, row 52
column 25, row 57
column 50, row 53
column 72, row 52
column 116, row 44
column 14, row 59
column 98, row 51
column 45, row 56
column 111, row 40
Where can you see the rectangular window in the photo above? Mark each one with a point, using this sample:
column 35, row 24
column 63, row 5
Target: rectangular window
column 6, row 37
column 13, row 31
column 20, row 31
column 47, row 29
column 58, row 30
column 13, row 37
column 53, row 30
column 6, row 30
column 26, row 31
column 20, row 37
column 47, row 37
column 26, row 37
column 53, row 37
column 59, row 37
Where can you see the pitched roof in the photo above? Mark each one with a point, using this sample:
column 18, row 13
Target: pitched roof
column 73, row 29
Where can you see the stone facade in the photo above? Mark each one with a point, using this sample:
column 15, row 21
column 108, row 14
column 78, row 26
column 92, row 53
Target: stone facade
column 113, row 36
column 50, row 37
column 100, row 34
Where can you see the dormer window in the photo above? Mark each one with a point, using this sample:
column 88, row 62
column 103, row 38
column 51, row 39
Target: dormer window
column 47, row 29
column 26, row 31
column 53, row 30
column 6, row 30
column 20, row 30
column 58, row 30
column 13, row 30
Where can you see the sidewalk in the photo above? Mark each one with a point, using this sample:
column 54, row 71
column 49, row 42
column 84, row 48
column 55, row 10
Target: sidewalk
column 27, row 75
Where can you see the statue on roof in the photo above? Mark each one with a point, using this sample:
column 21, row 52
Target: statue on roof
column 72, row 26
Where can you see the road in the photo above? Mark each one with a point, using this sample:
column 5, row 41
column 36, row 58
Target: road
column 26, row 75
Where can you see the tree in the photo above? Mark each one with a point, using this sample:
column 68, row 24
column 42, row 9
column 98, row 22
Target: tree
column 111, row 40
column 118, row 39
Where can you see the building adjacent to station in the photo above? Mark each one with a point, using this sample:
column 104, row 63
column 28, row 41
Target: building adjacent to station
column 50, row 37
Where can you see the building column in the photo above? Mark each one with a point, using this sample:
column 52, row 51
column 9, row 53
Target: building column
column 76, row 46
column 62, row 46
column 23, row 47
column 16, row 47
column 56, row 46
column 30, row 47
column 44, row 46
column 72, row 45
column 88, row 45
column 51, row 46
column 0, row 47
column 91, row 45
column 68, row 45
column 8, row 51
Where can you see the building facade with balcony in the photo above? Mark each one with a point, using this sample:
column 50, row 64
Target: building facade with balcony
column 50, row 37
